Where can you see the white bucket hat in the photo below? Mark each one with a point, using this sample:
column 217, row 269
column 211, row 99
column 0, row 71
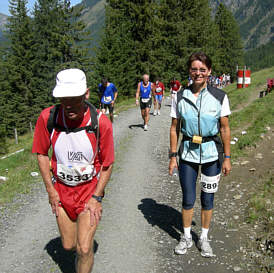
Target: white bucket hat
column 70, row 83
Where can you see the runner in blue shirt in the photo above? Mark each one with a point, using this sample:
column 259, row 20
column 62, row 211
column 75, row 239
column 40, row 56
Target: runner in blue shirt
column 144, row 92
column 108, row 94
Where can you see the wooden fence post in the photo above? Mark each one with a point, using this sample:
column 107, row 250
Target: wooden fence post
column 30, row 126
column 16, row 137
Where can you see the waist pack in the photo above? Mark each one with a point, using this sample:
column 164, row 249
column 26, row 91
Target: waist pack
column 145, row 100
column 216, row 139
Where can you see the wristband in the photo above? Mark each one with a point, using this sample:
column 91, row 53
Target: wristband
column 97, row 198
column 227, row 156
column 173, row 155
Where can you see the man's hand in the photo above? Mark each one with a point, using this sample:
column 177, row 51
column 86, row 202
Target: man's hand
column 95, row 209
column 137, row 102
column 54, row 200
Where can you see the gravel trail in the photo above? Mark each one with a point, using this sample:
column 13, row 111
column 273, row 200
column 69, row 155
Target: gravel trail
column 141, row 221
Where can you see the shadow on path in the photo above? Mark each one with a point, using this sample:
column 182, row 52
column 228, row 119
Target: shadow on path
column 136, row 125
column 64, row 259
column 165, row 217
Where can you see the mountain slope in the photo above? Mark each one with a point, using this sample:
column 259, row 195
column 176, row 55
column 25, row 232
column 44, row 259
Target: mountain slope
column 255, row 19
column 93, row 15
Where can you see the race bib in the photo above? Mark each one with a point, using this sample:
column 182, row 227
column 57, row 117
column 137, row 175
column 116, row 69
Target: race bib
column 158, row 90
column 209, row 184
column 145, row 100
column 75, row 175
column 107, row 99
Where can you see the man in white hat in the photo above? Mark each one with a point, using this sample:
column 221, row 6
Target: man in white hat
column 81, row 163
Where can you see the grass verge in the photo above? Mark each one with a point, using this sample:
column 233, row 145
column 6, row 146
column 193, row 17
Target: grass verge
column 238, row 97
column 17, row 169
column 260, row 213
column 255, row 118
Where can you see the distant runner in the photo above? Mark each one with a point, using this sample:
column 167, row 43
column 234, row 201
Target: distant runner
column 159, row 96
column 201, row 112
column 143, row 93
column 175, row 86
column 82, row 157
column 108, row 94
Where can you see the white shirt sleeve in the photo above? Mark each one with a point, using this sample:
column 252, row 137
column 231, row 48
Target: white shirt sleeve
column 173, row 110
column 225, row 111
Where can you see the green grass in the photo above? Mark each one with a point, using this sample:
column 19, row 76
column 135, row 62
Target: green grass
column 17, row 169
column 255, row 117
column 237, row 97
column 124, row 105
column 260, row 212
column 261, row 205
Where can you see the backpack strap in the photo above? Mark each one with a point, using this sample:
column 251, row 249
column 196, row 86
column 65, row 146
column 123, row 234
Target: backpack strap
column 52, row 118
column 52, row 124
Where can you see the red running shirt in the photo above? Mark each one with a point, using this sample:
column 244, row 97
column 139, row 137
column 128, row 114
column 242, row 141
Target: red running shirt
column 159, row 88
column 175, row 85
column 74, row 150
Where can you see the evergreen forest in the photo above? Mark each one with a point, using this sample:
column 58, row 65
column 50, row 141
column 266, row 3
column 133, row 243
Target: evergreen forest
column 144, row 36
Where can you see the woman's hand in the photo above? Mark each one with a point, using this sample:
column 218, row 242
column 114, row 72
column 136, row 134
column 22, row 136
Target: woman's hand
column 226, row 168
column 172, row 165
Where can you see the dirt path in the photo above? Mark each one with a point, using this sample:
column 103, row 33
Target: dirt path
column 141, row 220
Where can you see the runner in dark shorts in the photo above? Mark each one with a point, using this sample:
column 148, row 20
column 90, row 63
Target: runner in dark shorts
column 144, row 91
column 107, row 95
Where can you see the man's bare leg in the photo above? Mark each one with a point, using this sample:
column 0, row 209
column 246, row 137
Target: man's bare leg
column 85, row 236
column 67, row 229
column 147, row 110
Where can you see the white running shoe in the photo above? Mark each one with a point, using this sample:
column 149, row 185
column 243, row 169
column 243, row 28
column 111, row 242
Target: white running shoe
column 145, row 127
column 205, row 248
column 154, row 113
column 159, row 114
column 183, row 245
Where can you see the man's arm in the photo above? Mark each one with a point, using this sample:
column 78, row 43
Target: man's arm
column 115, row 97
column 138, row 93
column 106, row 155
column 225, row 136
column 44, row 166
column 93, row 205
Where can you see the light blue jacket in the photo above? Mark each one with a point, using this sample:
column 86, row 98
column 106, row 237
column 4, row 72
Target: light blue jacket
column 200, row 117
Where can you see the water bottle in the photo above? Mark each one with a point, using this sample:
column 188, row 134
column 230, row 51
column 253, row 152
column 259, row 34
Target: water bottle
column 175, row 172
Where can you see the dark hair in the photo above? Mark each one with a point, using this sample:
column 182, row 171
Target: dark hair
column 199, row 56
column 104, row 81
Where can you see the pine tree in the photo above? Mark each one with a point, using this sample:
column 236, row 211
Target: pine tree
column 116, row 57
column 60, row 42
column 157, row 37
column 231, row 46
column 16, row 90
